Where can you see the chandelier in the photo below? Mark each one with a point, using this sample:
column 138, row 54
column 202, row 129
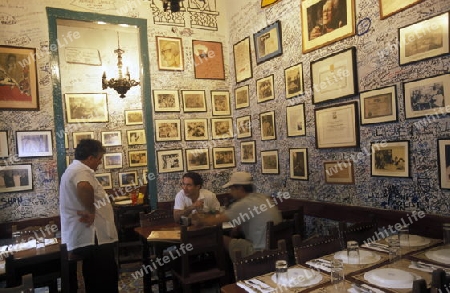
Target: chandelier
column 120, row 84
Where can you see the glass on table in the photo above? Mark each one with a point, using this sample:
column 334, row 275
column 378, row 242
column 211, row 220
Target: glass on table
column 394, row 249
column 281, row 271
column 403, row 236
column 353, row 252
column 337, row 275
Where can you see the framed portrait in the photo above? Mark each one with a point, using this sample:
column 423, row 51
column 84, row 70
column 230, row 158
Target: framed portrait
column 267, row 123
column 16, row 178
column 34, row 143
column 136, row 137
column 138, row 158
column 170, row 53
column 248, row 152
column 337, row 126
column 388, row 7
column 220, row 102
column 293, row 80
column 444, row 163
column 318, row 30
column 19, row 90
column 105, row 180
column 241, row 96
column 242, row 60
column 170, row 161
column 390, row 159
column 111, row 138
column 222, row 128
column 223, row 157
column 295, row 120
column 340, row 69
column 265, row 89
column 193, row 101
column 269, row 162
column 197, row 159
column 268, row 42
column 167, row 129
column 298, row 163
column 4, row 148
column 166, row 100
column 208, row 60
column 129, row 178
column 134, row 117
column 244, row 126
column 427, row 96
column 378, row 106
column 339, row 172
column 78, row 136
column 196, row 129
column 112, row 160
column 86, row 108
column 425, row 39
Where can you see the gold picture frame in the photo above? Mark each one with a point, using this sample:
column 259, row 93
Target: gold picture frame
column 86, row 108
column 170, row 53
column 389, row 7
column 241, row 97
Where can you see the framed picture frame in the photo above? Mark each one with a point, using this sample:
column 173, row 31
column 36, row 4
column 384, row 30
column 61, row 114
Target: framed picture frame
column 105, row 180
column 337, row 126
column 264, row 89
column 78, row 136
column 223, row 157
column 220, row 103
column 16, row 178
column 241, row 96
column 222, row 128
column 248, row 152
column 136, row 137
column 66, row 140
column 170, row 161
column 427, row 96
column 268, row 43
column 193, row 101
column 298, row 163
column 426, row 39
column 20, row 90
column 129, row 178
column 145, row 176
column 170, row 53
column 444, row 163
column 244, row 126
column 197, row 159
column 167, row 130
column 86, row 108
column 339, row 172
column 390, row 159
column 4, row 148
column 137, row 158
column 340, row 68
column 378, row 106
column 242, row 60
column 208, row 60
column 166, row 100
column 388, row 8
column 316, row 33
column 295, row 120
column 267, row 124
column 293, row 80
column 269, row 162
column 34, row 143
column 196, row 129
column 111, row 138
column 112, row 161
column 134, row 117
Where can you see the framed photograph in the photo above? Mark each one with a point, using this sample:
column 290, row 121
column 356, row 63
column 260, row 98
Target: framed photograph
column 138, row 158
column 248, row 152
column 339, row 172
column 295, row 120
column 340, row 68
column 337, row 126
column 390, row 159
column 19, row 84
column 378, row 106
column 427, row 96
column 112, row 160
column 269, row 162
column 241, row 96
column 166, row 100
column 129, row 178
column 105, row 180
column 208, row 60
column 224, row 158
column 220, row 101
column 267, row 120
column 167, row 129
column 265, row 89
column 16, row 178
column 78, row 136
column 4, row 148
column 325, row 22
column 222, row 128
column 196, row 129
column 145, row 176
column 111, row 138
column 170, row 53
column 268, row 42
column 293, row 79
column 170, row 161
column 244, row 126
column 388, row 7
column 298, row 163
column 88, row 108
column 34, row 143
column 444, row 163
column 134, row 117
column 66, row 140
column 197, row 159
column 423, row 40
column 193, row 101
column 242, row 60
column 136, row 137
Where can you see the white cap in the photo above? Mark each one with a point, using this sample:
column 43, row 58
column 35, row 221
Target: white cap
column 239, row 178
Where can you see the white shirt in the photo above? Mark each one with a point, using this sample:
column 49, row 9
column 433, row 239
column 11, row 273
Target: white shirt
column 210, row 201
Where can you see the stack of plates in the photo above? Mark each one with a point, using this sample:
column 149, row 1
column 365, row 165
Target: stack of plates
column 365, row 257
column 441, row 255
column 390, row 278
column 299, row 277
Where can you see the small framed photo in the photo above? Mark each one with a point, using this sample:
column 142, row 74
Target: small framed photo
column 78, row 136
column 378, row 106
column 170, row 53
column 248, row 152
column 298, row 163
column 4, row 148
column 105, row 180
column 112, row 160
column 136, row 137
column 34, row 143
column 167, row 129
column 170, row 161
column 223, row 157
column 220, row 101
column 129, row 178
column 293, row 79
column 196, row 129
column 16, row 178
column 241, row 96
column 339, row 172
column 193, row 101
column 134, row 117
column 242, row 60
column 268, row 43
column 166, row 100
column 197, row 159
column 222, row 128
column 208, row 60
column 244, row 126
column 295, row 120
column 264, row 89
column 86, row 108
column 269, row 162
column 444, row 163
column 138, row 158
column 388, row 7
column 111, row 138
column 390, row 159
column 267, row 120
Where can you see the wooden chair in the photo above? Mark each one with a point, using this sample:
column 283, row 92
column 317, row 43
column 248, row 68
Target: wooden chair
column 360, row 232
column 25, row 287
column 69, row 278
column 314, row 248
column 420, row 286
column 440, row 282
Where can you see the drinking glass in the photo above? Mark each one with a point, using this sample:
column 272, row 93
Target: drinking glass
column 337, row 275
column 403, row 236
column 353, row 252
column 446, row 233
column 394, row 249
column 281, row 271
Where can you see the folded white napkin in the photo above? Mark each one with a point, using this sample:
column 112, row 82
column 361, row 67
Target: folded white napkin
column 245, row 287
column 423, row 269
column 378, row 247
column 323, row 265
column 50, row 241
column 373, row 289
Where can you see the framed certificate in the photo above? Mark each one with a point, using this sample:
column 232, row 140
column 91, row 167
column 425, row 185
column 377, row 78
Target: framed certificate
column 378, row 106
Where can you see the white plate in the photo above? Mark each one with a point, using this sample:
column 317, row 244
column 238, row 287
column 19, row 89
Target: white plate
column 441, row 255
column 365, row 257
column 390, row 278
column 414, row 240
column 299, row 277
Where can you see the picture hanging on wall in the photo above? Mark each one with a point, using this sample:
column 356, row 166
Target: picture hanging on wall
column 34, row 143
column 197, row 159
column 268, row 129
column 298, row 163
column 293, row 79
column 269, row 162
column 248, row 152
column 378, row 106
column 111, row 138
column 105, row 180
column 137, row 158
column 16, row 178
column 223, row 157
column 389, row 7
column 167, row 129
column 170, row 53
column 265, row 89
column 136, row 137
column 87, row 108
column 241, row 96
column 222, row 128
column 196, row 129
column 220, row 103
column 244, row 126
column 4, row 148
column 444, row 163
column 170, row 161
column 242, row 60
column 268, row 43
column 112, row 160
column 339, row 172
column 78, row 136
column 166, row 100
column 129, row 178
column 390, row 159
column 295, row 120
column 265, row 3
column 134, row 117
column 193, row 101
column 208, row 60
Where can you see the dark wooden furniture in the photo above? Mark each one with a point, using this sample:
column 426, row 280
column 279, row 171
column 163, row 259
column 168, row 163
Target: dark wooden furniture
column 315, row 247
column 25, row 287
column 362, row 232
column 69, row 278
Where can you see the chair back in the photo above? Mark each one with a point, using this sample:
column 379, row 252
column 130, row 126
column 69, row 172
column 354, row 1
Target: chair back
column 360, row 232
column 420, row 286
column 314, row 248
column 155, row 217
column 25, row 287
column 439, row 281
